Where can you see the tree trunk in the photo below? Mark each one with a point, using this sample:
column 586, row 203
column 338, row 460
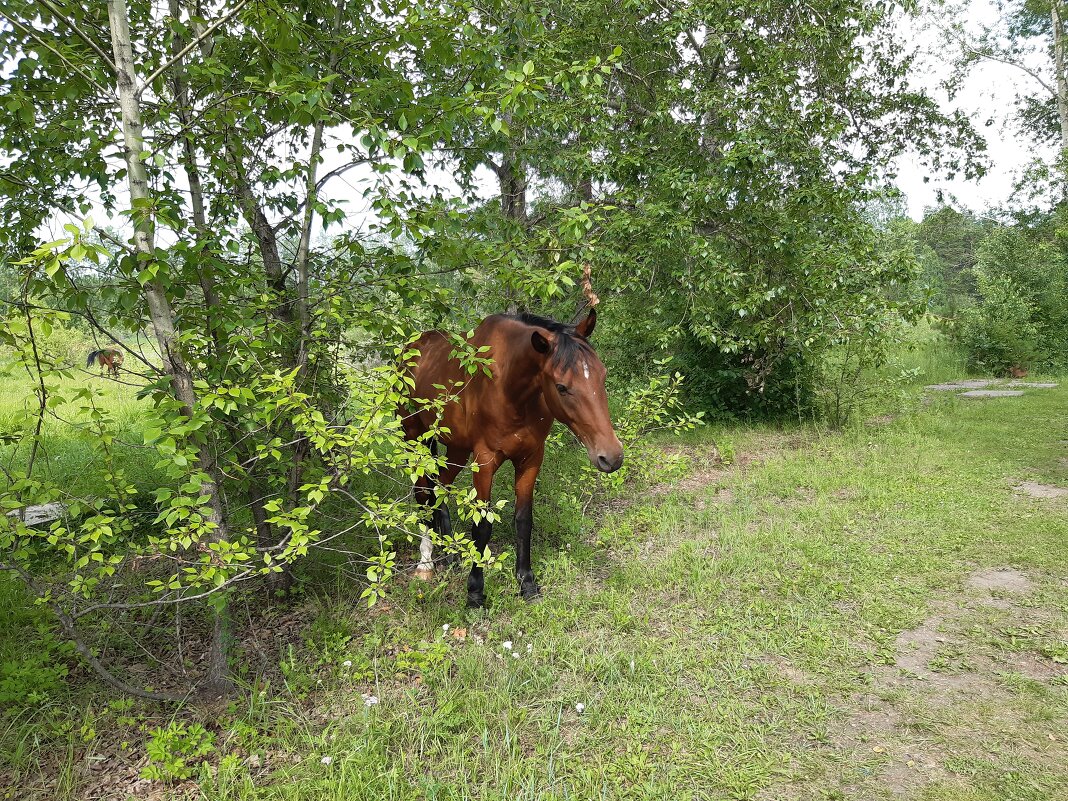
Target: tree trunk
column 256, row 493
column 159, row 310
column 513, row 185
column 1059, row 63
column 512, row 181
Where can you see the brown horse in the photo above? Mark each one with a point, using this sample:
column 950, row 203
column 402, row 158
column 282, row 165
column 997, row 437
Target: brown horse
column 109, row 359
column 542, row 371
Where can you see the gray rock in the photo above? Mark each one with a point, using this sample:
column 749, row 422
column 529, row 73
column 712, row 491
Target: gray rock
column 35, row 515
column 971, row 383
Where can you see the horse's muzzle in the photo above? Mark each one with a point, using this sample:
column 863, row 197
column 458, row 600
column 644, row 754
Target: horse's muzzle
column 608, row 462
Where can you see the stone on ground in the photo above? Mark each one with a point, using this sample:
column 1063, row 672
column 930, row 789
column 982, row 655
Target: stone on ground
column 992, row 393
column 35, row 515
column 971, row 383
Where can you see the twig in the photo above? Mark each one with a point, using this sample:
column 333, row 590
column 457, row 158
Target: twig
column 166, row 65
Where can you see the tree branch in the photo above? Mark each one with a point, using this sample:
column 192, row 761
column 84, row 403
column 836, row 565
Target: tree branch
column 29, row 32
column 166, row 65
column 79, row 33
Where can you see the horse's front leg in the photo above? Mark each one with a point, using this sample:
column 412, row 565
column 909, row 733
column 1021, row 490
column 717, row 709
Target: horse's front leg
column 526, row 475
column 482, row 530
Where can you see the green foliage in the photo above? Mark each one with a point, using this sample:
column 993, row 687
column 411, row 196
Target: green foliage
column 858, row 380
column 1020, row 316
column 175, row 751
column 999, row 332
column 32, row 676
column 425, row 657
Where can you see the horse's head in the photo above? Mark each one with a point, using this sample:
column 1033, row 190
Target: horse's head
column 572, row 378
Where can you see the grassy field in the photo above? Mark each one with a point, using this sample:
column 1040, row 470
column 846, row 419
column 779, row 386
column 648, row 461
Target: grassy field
column 875, row 613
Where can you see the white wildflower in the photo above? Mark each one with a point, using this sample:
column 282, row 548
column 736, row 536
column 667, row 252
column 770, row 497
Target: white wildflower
column 515, row 654
column 507, row 645
column 445, row 628
column 326, row 760
column 530, row 647
column 580, row 707
column 369, row 700
column 347, row 663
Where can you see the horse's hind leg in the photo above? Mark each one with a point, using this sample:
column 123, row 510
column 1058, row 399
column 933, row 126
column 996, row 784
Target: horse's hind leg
column 455, row 461
column 424, row 493
column 440, row 520
column 481, row 533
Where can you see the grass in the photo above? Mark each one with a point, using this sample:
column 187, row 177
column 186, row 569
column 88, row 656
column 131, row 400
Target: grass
column 68, row 455
column 735, row 633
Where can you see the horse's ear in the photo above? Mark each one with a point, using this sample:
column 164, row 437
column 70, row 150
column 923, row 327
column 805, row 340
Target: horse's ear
column 540, row 343
column 585, row 328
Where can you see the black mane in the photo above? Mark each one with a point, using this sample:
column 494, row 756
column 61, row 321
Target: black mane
column 569, row 343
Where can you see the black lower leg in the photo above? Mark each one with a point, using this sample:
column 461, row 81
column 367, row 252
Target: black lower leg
column 443, row 527
column 524, row 522
column 476, row 583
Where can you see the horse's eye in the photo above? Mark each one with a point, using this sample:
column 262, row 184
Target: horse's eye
column 561, row 389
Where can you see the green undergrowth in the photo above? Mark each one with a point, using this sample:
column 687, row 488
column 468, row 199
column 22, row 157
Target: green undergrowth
column 720, row 633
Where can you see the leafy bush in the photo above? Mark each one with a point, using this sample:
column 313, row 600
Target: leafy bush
column 176, row 750
column 1000, row 332
column 856, row 383
column 33, row 675
column 1020, row 315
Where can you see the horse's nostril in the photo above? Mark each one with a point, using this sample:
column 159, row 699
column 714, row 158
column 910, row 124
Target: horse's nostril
column 609, row 464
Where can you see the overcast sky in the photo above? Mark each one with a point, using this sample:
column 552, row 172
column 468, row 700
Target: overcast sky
column 988, row 95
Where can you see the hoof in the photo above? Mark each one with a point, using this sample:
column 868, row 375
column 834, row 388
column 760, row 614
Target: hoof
column 476, row 601
column 532, row 597
column 424, row 574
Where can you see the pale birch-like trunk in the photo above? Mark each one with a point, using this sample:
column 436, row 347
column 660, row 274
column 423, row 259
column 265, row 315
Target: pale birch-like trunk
column 1057, row 18
column 159, row 310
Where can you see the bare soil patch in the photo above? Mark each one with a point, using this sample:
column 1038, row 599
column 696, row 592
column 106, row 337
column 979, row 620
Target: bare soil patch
column 1038, row 490
column 1004, row 579
column 905, row 755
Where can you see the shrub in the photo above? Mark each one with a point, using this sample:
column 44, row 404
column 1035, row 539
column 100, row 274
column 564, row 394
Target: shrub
column 1000, row 331
column 176, row 750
